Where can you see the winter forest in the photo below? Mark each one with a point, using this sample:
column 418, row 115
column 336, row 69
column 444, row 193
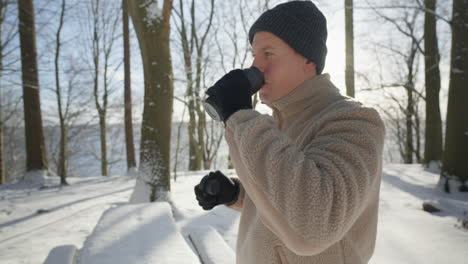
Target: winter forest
column 102, row 119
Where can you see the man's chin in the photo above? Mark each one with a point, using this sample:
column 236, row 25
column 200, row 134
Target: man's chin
column 263, row 97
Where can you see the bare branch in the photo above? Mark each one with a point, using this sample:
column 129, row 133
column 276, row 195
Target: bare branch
column 419, row 7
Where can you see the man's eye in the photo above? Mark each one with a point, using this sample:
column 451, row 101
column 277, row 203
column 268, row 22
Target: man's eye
column 268, row 53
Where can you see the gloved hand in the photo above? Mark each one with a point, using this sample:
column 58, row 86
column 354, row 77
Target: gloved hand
column 231, row 93
column 215, row 189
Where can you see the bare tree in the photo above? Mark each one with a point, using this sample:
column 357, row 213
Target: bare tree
column 152, row 26
column 105, row 19
column 6, row 36
column 194, row 40
column 456, row 136
column 433, row 124
column 408, row 135
column 11, row 164
column 130, row 148
column 74, row 105
column 35, row 147
column 62, row 168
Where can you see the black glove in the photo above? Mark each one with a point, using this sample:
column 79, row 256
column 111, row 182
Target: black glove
column 215, row 189
column 231, row 93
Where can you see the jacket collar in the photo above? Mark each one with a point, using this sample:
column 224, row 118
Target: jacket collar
column 315, row 93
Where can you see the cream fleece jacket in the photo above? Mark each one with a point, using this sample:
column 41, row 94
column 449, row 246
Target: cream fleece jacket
column 310, row 178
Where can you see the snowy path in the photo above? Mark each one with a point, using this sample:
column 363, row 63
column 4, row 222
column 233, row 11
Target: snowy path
column 406, row 233
column 27, row 237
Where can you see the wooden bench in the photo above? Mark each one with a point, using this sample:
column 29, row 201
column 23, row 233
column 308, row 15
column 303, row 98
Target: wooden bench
column 132, row 233
column 211, row 247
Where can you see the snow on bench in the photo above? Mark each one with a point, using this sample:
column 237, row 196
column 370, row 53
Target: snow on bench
column 65, row 254
column 137, row 233
column 211, row 246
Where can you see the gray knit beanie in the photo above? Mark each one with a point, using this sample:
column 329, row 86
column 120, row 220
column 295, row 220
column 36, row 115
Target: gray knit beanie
column 301, row 25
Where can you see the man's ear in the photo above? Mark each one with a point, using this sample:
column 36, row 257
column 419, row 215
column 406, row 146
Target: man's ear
column 310, row 67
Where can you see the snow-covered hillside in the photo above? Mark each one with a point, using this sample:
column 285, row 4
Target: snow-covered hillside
column 33, row 221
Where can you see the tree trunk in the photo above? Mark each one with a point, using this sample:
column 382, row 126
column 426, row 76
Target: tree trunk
column 102, row 134
column 63, row 158
column 96, row 57
column 349, row 28
column 36, row 158
column 417, row 134
column 99, row 27
column 194, row 157
column 409, row 147
column 410, row 105
column 201, row 134
column 130, row 148
column 433, row 133
column 176, row 158
column 456, row 136
column 152, row 27
column 187, row 49
column 62, row 164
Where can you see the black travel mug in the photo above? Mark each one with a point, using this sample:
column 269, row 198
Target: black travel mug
column 256, row 80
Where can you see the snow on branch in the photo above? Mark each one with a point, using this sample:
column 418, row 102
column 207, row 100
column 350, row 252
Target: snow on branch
column 153, row 12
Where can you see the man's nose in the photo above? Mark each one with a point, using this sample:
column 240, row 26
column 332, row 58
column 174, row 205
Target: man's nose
column 259, row 64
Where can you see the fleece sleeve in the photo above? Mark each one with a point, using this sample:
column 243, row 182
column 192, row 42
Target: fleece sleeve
column 237, row 204
column 309, row 197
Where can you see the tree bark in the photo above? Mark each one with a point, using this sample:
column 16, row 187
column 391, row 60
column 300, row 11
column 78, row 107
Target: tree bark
column 349, row 28
column 129, row 143
column 153, row 36
column 433, row 133
column 36, row 158
column 456, row 136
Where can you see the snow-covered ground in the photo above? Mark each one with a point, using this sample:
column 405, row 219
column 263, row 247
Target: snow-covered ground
column 33, row 221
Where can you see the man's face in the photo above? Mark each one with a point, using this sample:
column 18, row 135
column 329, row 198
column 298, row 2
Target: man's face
column 284, row 68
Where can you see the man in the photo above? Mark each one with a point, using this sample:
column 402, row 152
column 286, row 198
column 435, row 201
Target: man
column 308, row 177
